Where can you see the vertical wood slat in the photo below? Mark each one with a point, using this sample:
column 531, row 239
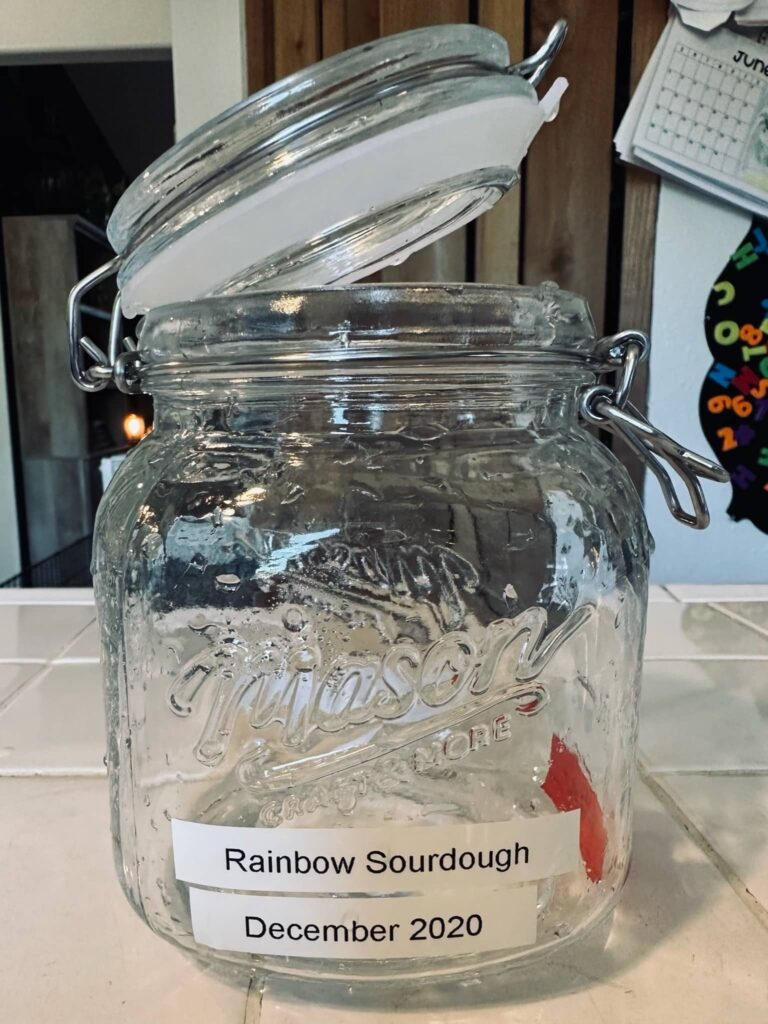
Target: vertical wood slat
column 259, row 44
column 297, row 39
column 497, row 245
column 641, row 197
column 641, row 188
column 348, row 23
column 333, row 26
column 568, row 171
column 446, row 259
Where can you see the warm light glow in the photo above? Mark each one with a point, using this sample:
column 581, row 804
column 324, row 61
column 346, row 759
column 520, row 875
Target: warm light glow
column 248, row 497
column 134, row 427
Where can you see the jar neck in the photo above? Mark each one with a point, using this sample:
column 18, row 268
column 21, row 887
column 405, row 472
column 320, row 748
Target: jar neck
column 341, row 411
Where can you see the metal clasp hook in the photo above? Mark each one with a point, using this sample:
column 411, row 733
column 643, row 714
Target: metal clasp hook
column 536, row 66
column 120, row 363
column 610, row 408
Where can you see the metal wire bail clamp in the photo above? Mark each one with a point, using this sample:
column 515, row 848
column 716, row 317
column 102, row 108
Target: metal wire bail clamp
column 536, row 66
column 120, row 364
column 609, row 407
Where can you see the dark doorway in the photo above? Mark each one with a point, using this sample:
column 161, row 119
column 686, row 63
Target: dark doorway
column 73, row 137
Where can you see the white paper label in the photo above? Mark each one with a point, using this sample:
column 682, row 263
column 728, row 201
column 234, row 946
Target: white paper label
column 388, row 859
column 359, row 929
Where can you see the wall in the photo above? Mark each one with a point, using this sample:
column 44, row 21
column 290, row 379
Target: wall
column 10, row 562
column 50, row 29
column 40, row 269
column 208, row 49
column 695, row 236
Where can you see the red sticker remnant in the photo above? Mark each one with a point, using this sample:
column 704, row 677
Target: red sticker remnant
column 568, row 787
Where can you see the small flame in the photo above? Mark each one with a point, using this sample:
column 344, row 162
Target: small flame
column 134, row 427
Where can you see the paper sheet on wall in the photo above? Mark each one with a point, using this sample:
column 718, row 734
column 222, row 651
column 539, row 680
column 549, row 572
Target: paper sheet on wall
column 700, row 115
column 755, row 15
column 706, row 15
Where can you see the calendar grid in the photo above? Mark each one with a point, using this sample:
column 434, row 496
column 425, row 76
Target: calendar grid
column 700, row 115
column 704, row 110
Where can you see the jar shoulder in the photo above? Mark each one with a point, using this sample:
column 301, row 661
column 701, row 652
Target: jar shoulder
column 259, row 496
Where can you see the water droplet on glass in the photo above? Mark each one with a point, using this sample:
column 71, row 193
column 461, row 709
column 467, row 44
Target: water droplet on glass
column 293, row 619
column 227, row 581
column 152, row 546
column 293, row 494
column 425, row 431
column 593, row 558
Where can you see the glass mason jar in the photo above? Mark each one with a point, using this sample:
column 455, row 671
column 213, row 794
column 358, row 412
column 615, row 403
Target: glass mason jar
column 372, row 605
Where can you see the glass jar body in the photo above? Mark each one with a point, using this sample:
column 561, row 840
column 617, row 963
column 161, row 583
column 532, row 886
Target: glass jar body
column 325, row 611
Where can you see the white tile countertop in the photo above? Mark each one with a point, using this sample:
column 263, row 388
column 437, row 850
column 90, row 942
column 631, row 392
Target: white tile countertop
column 688, row 943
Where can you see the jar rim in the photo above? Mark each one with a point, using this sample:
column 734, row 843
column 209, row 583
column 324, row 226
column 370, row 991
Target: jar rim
column 405, row 138
column 372, row 323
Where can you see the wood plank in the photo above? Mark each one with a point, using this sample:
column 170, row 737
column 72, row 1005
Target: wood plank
column 348, row 23
column 641, row 189
column 402, row 15
column 259, row 44
column 445, row 260
column 497, row 235
column 363, row 21
column 641, row 196
column 333, row 24
column 297, row 39
column 568, row 171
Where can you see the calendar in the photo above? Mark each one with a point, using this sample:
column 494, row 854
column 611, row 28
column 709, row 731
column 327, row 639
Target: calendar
column 700, row 114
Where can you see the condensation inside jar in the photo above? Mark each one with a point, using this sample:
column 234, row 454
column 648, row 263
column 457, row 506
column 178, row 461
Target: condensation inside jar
column 372, row 603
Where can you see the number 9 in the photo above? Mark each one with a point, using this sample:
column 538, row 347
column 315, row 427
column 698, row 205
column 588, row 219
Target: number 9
column 718, row 403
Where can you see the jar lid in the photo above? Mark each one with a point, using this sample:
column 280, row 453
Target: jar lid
column 336, row 171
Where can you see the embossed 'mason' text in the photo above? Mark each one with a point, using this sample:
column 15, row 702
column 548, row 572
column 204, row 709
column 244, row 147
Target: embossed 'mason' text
column 286, row 684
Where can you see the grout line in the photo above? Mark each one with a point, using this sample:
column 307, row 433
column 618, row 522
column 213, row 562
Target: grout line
column 738, row 618
column 705, row 657
column 697, row 836
column 708, row 772
column 71, row 643
column 86, row 659
column 60, row 653
column 724, row 592
column 24, row 686
column 53, row 773
column 47, row 597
